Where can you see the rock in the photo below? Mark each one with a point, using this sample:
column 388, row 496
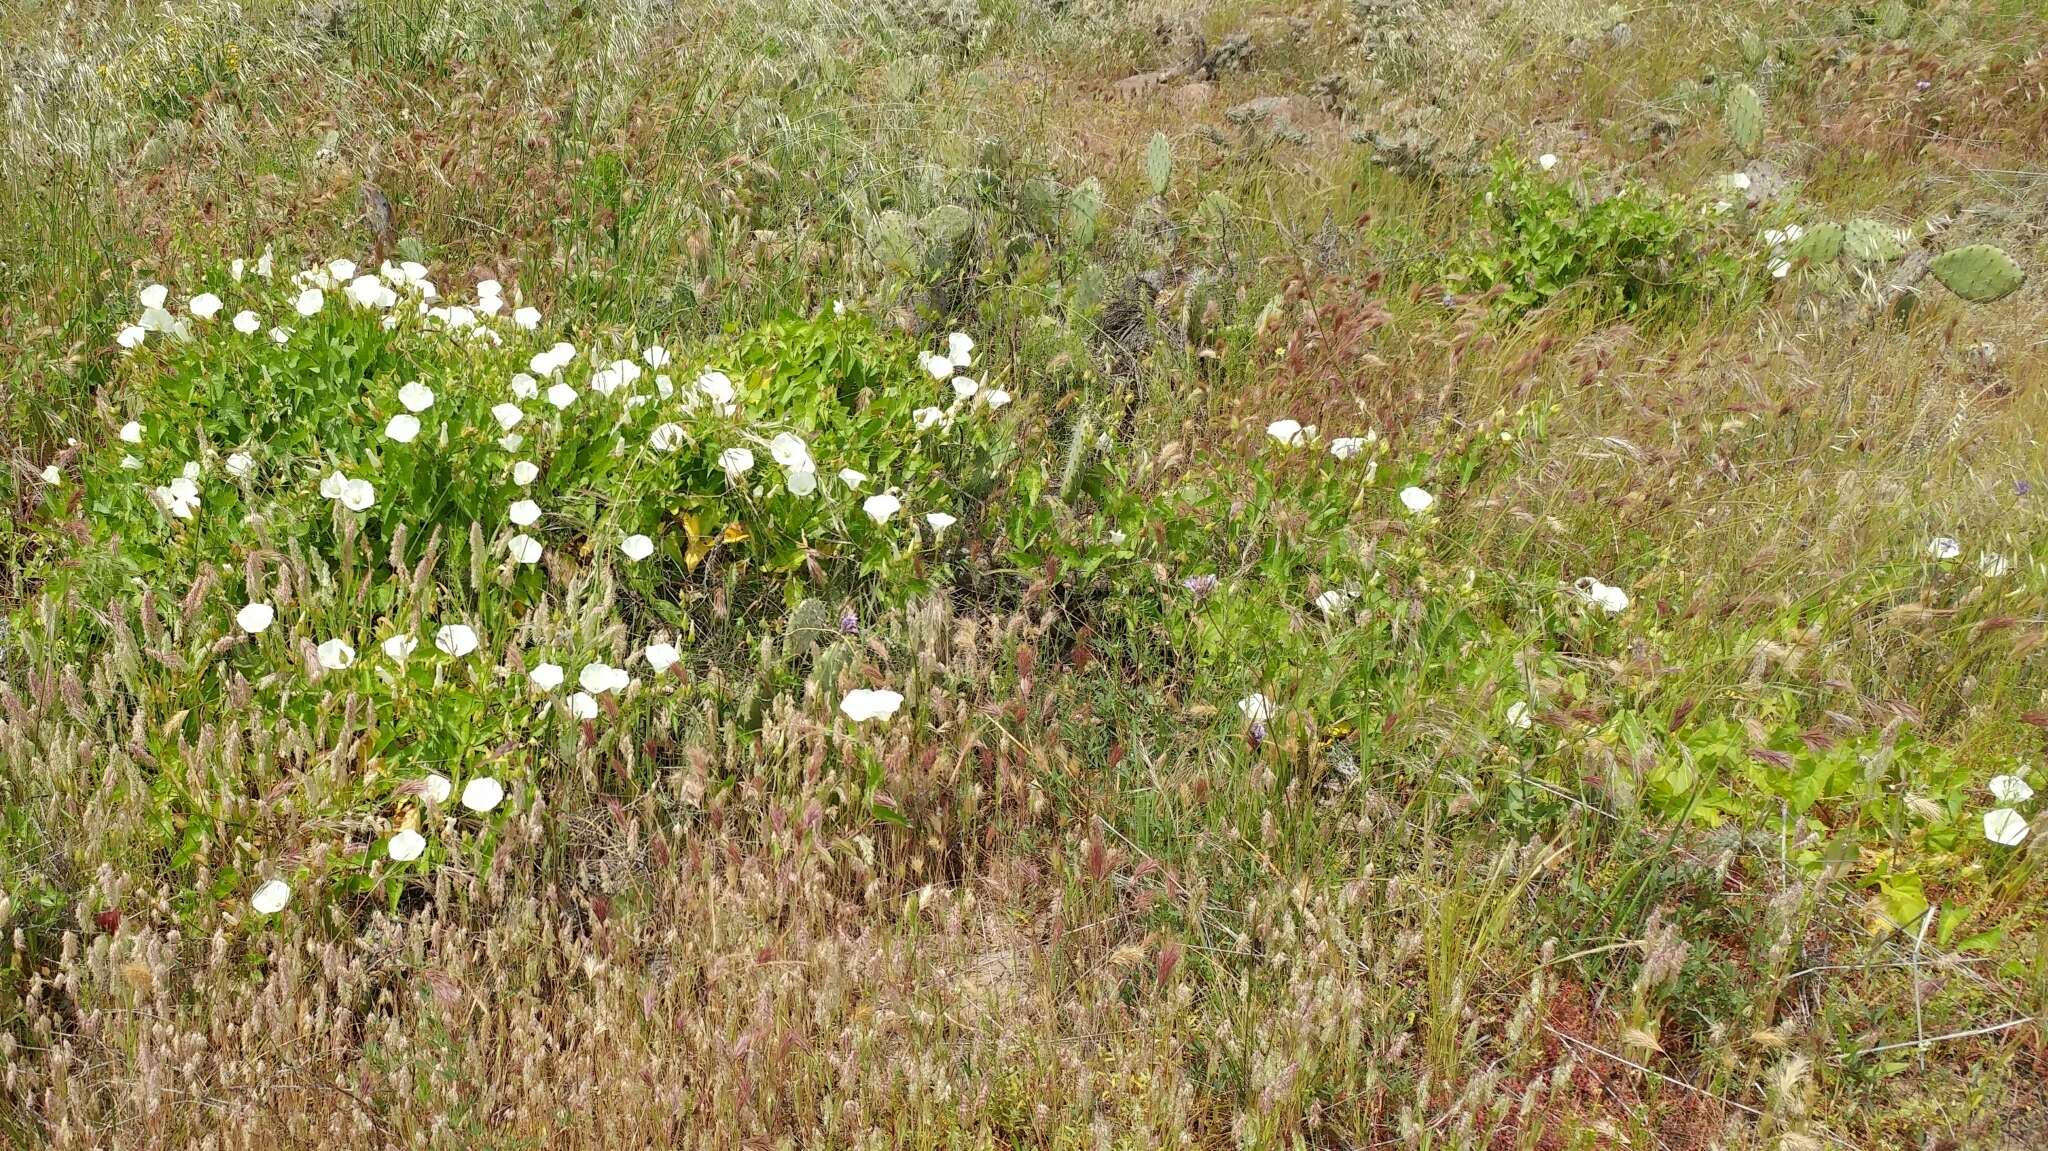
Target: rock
column 1191, row 97
column 1138, row 87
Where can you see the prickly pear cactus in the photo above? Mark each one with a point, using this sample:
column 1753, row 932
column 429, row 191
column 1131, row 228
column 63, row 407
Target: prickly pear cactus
column 810, row 625
column 1892, row 18
column 947, row 230
column 1084, row 211
column 1819, row 245
column 1752, row 46
column 1744, row 111
column 1159, row 163
column 831, row 661
column 1979, row 273
column 1869, row 241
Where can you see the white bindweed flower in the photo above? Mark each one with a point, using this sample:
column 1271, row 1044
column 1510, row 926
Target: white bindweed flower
column 1991, row 565
column 240, row 464
column 132, row 336
column 1257, row 708
column 863, row 704
column 154, row 296
column 405, row 846
column 939, row 521
column 1611, row 600
column 662, row 656
column 546, row 676
column 528, row 318
column 246, row 322
column 524, row 548
column 960, row 350
column 333, row 485
column 53, row 475
column 1117, row 537
column 340, row 270
column 1416, row 500
column 667, row 437
column 180, row 497
column 279, row 335
column 482, row 794
column 416, row 396
column 880, row 507
column 524, row 387
column 511, row 441
column 271, row 897
column 370, row 292
column 1333, row 601
column 310, row 302
column 561, row 395
column 523, row 513
column 852, row 479
column 598, row 678
column 2005, row 827
column 508, row 416
column 404, row 427
column 718, row 388
column 358, row 495
column 524, row 472
column 1546, row 161
column 613, row 376
column 131, row 432
column 1344, row 447
column 801, row 482
column 995, row 397
column 456, row 639
column 937, row 366
column 637, row 547
column 964, row 387
column 583, row 705
column 399, row 648
column 655, row 355
column 336, row 655
column 1288, row 432
column 436, row 787
column 255, row 617
column 2010, row 789
column 737, row 462
column 1943, row 548
column 205, row 305
column 130, row 464
column 928, row 418
column 790, row 452
column 489, row 289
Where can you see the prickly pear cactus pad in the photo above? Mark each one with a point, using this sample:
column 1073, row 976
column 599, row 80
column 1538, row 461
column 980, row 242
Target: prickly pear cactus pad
column 1979, row 273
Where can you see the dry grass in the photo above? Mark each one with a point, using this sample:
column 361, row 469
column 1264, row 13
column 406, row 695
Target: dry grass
column 1106, row 923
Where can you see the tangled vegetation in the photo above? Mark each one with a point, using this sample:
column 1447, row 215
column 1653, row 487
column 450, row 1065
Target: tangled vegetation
column 1006, row 574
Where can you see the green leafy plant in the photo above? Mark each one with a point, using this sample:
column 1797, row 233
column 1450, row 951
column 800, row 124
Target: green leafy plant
column 1631, row 253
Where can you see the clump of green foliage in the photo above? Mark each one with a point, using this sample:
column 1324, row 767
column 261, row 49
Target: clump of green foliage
column 1628, row 254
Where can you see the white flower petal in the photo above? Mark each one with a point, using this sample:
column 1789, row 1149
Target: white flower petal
column 456, row 639
column 863, row 704
column 255, row 617
column 271, row 897
column 637, row 547
column 336, row 654
column 405, row 846
column 2005, row 827
column 482, row 794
